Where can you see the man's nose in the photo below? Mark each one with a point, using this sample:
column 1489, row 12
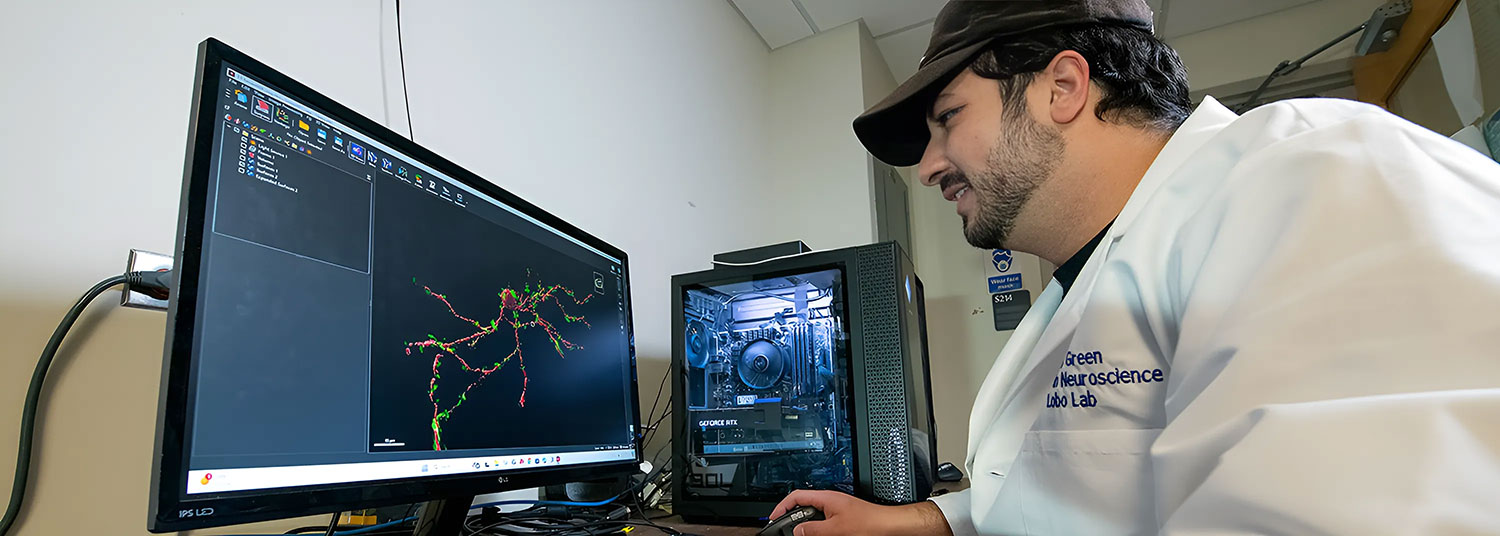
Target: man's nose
column 933, row 166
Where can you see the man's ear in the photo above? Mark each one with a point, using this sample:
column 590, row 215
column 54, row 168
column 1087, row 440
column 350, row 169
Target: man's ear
column 1068, row 87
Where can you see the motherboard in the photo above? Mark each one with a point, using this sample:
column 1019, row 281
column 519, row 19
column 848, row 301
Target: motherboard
column 767, row 386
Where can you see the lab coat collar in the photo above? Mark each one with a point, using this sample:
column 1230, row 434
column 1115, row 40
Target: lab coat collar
column 1055, row 314
column 1209, row 118
column 1060, row 321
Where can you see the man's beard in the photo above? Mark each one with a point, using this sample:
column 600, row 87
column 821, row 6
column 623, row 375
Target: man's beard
column 1025, row 157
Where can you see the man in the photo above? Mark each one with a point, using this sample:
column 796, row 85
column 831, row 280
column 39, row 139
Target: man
column 1281, row 323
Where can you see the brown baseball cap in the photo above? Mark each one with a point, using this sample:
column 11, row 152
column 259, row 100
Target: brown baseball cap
column 895, row 130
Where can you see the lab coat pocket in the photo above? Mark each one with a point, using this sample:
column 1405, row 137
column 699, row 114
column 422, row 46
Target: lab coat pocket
column 1080, row 482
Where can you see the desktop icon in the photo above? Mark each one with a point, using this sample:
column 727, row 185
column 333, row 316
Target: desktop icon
column 424, row 468
column 322, row 134
column 241, row 97
column 372, row 157
column 302, row 124
column 401, row 171
column 357, row 152
column 206, row 477
column 282, row 116
column 262, row 106
column 432, row 184
column 476, row 465
column 385, row 164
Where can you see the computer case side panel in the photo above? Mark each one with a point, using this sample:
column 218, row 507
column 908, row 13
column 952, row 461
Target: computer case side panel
column 881, row 363
column 710, row 477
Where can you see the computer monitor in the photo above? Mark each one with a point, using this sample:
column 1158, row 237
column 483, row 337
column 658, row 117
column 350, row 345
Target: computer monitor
column 360, row 322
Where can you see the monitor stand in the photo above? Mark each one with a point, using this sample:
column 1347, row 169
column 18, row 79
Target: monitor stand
column 443, row 517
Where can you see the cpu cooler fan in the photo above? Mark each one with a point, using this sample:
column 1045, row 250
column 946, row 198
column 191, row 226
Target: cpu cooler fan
column 761, row 364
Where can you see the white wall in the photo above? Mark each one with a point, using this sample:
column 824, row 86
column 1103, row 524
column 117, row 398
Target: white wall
column 1252, row 47
column 96, row 108
column 644, row 122
column 820, row 178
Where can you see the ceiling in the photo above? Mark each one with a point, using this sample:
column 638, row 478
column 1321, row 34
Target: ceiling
column 901, row 27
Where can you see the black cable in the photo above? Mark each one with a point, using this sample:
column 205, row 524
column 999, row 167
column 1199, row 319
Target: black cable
column 651, row 433
column 401, row 55
column 647, row 517
column 549, row 521
column 322, row 528
column 333, row 524
column 657, row 400
column 34, row 393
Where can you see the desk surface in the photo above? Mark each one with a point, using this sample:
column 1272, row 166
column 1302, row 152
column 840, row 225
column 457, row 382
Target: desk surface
column 677, row 523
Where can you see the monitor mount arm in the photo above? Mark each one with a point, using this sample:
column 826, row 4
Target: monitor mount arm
column 443, row 517
column 1379, row 32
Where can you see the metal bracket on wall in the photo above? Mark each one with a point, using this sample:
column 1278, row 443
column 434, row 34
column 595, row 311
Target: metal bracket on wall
column 145, row 261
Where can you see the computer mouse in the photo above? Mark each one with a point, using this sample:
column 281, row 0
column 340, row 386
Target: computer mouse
column 782, row 526
column 948, row 472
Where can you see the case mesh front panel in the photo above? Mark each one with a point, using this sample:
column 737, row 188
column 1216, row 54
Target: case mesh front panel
column 889, row 437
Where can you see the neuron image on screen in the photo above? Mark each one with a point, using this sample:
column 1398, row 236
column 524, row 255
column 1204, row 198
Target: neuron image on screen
column 485, row 339
column 767, row 386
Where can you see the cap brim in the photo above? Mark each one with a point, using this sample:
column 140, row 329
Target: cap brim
column 895, row 129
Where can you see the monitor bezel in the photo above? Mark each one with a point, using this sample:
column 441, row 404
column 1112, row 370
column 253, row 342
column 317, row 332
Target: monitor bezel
column 171, row 509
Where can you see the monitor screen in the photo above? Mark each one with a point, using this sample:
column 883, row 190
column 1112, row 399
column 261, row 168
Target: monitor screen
column 362, row 315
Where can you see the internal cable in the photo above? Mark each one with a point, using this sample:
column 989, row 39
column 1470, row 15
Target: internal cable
column 142, row 280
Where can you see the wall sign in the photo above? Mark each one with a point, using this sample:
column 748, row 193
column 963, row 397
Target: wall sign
column 1009, row 308
column 1002, row 273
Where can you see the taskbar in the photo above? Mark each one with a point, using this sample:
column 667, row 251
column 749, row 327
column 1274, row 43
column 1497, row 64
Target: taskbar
column 257, row 478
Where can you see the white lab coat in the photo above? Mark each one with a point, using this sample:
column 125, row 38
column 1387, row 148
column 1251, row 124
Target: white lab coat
column 1305, row 302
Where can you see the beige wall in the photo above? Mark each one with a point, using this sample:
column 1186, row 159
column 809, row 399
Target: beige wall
column 1252, row 47
column 819, row 177
column 962, row 341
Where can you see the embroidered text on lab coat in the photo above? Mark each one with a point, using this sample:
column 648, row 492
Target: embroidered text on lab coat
column 1070, row 376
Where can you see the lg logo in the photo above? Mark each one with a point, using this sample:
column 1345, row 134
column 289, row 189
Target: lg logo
column 201, row 512
column 503, row 479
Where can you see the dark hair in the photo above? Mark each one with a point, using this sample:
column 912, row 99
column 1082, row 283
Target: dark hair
column 1142, row 79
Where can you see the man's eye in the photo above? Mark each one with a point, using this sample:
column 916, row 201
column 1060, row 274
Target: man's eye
column 942, row 119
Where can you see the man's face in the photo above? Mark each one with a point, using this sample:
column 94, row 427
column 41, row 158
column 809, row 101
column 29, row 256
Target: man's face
column 988, row 156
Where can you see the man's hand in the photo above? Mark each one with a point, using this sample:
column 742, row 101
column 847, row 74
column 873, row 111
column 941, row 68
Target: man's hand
column 847, row 515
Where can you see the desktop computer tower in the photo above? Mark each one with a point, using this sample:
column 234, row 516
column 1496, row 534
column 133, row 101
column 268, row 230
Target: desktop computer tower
column 805, row 371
